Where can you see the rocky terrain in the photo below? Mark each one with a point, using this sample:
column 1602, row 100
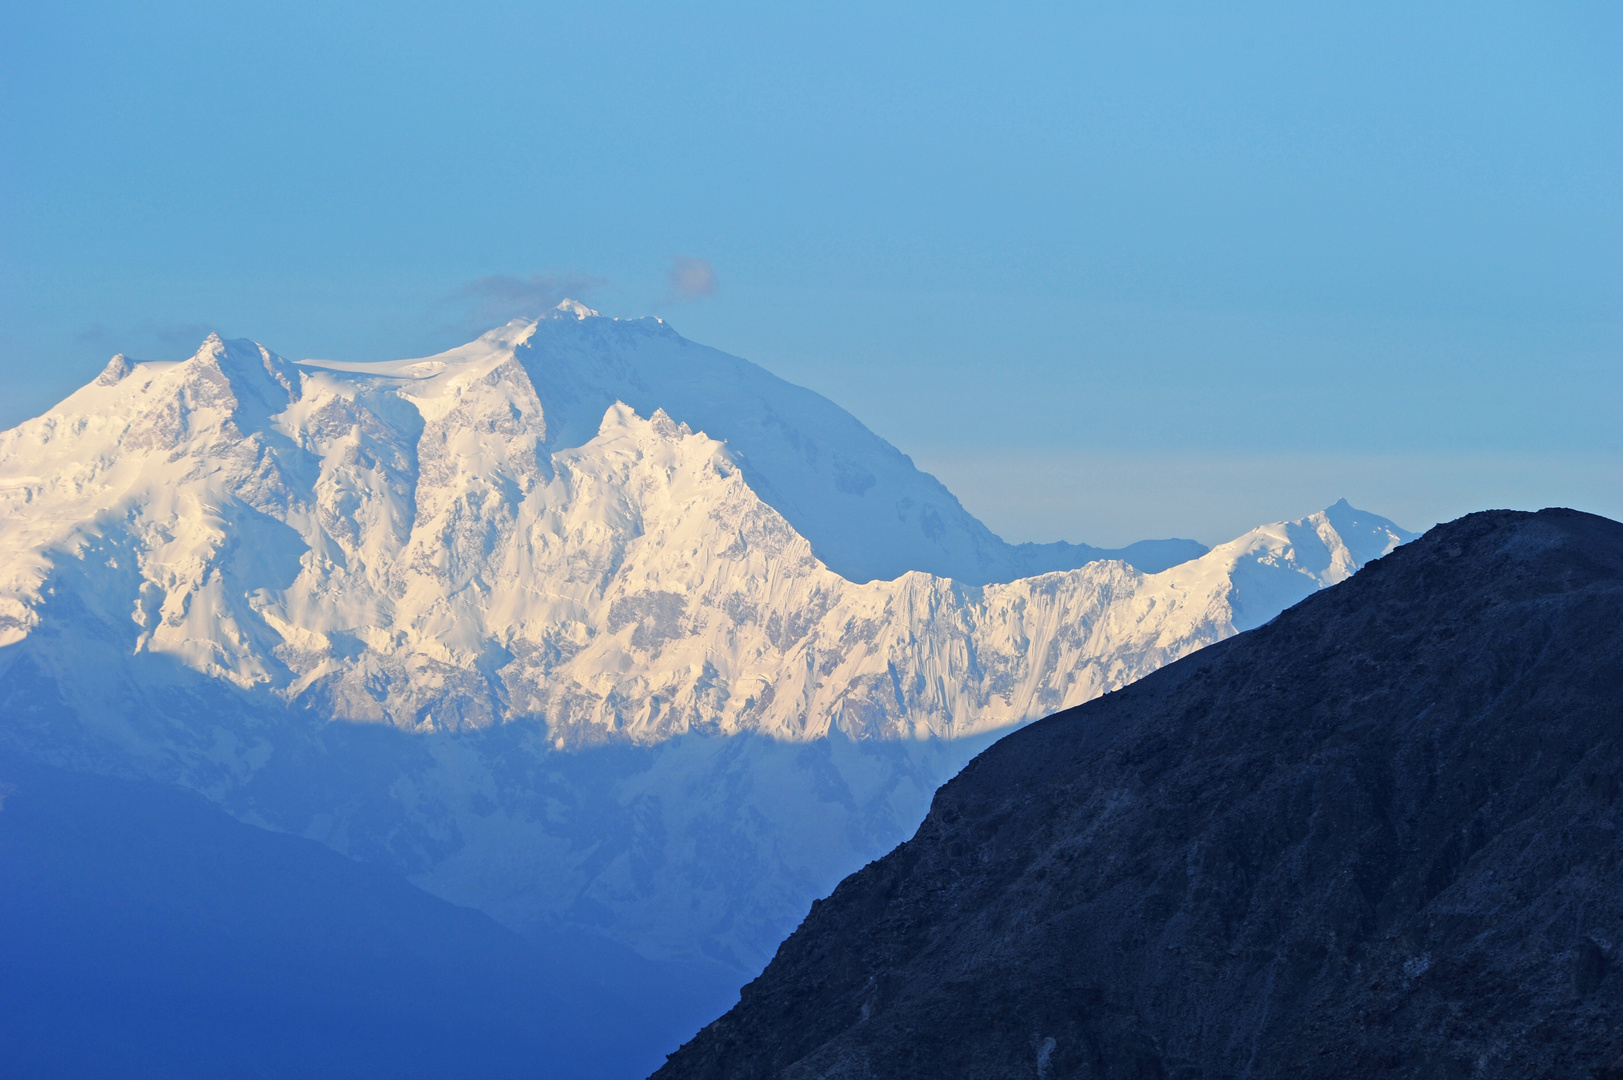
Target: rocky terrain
column 1378, row 836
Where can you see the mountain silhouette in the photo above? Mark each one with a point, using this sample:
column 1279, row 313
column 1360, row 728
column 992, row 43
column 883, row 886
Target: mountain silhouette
column 1377, row 836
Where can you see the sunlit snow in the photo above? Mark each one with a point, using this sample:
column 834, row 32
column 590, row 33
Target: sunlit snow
column 572, row 533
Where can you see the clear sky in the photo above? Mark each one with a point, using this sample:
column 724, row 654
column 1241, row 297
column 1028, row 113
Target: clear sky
column 1111, row 271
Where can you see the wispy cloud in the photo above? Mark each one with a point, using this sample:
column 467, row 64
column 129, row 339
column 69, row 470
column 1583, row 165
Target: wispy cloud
column 690, row 279
column 148, row 338
column 95, row 336
column 497, row 298
column 177, row 337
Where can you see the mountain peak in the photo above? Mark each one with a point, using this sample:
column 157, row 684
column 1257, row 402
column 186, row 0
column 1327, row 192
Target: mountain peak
column 492, row 539
column 118, row 367
column 577, row 309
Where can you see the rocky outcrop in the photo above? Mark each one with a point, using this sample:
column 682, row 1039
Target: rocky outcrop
column 1378, row 836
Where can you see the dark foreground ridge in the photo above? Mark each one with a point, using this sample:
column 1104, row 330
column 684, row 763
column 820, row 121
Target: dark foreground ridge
column 1376, row 837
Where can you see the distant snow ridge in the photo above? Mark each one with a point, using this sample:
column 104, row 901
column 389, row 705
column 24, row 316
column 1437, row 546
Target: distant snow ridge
column 428, row 544
column 571, row 533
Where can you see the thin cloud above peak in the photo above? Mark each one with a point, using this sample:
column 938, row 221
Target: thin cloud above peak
column 497, row 298
column 148, row 337
column 689, row 279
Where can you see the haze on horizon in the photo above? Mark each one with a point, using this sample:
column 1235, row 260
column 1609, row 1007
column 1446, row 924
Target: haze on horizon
column 1109, row 274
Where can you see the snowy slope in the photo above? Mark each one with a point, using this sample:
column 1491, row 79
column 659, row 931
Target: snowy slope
column 574, row 583
column 398, row 543
column 866, row 510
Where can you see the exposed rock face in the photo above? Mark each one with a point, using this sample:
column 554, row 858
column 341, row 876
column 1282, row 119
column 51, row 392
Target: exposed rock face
column 1378, row 836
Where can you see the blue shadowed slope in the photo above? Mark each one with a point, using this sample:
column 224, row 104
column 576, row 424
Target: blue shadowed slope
column 143, row 932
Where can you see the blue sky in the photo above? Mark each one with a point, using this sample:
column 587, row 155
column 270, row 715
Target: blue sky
column 1110, row 271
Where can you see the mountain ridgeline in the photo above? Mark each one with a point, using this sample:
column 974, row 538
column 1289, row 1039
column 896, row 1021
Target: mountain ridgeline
column 577, row 624
column 1376, row 837
column 578, row 518
column 623, row 642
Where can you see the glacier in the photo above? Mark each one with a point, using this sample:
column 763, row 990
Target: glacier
column 581, row 624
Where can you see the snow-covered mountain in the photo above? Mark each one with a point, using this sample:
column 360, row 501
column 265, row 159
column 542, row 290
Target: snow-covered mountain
column 581, row 623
